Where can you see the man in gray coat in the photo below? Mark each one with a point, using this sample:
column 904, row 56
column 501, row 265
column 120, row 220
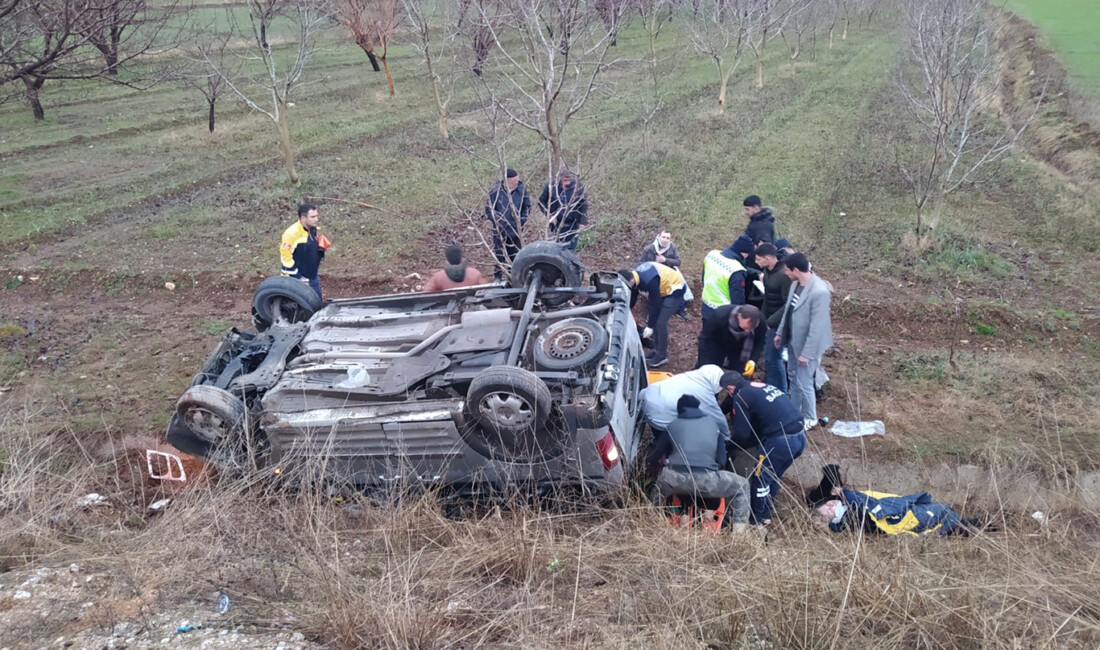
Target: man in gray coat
column 807, row 331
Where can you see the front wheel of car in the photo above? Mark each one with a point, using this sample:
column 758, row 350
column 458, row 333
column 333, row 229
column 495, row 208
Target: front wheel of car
column 511, row 407
column 220, row 419
column 213, row 414
column 283, row 300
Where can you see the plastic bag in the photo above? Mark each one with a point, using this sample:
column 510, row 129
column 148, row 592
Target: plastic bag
column 855, row 429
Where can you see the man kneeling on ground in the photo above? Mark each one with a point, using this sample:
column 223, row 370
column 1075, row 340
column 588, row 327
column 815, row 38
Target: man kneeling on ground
column 693, row 452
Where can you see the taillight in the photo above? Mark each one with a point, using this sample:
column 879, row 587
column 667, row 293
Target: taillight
column 609, row 451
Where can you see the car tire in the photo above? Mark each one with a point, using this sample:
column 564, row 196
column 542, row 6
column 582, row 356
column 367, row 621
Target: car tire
column 511, row 407
column 212, row 414
column 570, row 344
column 299, row 301
column 557, row 264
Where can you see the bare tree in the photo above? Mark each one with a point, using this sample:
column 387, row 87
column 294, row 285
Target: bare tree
column 110, row 21
column 43, row 40
column 211, row 45
column 802, row 25
column 270, row 76
column 720, row 30
column 434, row 33
column 769, row 18
column 544, row 77
column 372, row 24
column 655, row 16
column 946, row 82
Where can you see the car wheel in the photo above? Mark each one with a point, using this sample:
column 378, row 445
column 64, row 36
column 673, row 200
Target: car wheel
column 283, row 299
column 570, row 344
column 558, row 266
column 219, row 418
column 212, row 414
column 512, row 409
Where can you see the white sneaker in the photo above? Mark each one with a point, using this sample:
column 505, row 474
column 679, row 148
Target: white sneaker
column 809, row 423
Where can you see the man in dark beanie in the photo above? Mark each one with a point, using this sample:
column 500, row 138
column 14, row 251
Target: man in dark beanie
column 507, row 209
column 777, row 286
column 761, row 226
column 764, row 416
column 688, row 458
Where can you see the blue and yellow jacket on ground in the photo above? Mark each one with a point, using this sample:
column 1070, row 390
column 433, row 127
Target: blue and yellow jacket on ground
column 912, row 514
column 653, row 276
column 723, row 279
column 301, row 252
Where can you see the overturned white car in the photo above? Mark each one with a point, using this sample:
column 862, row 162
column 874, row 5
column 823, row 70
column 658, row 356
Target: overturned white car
column 532, row 384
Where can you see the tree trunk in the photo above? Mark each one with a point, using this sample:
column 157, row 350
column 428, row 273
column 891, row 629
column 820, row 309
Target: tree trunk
column 389, row 79
column 760, row 59
column 110, row 56
column 844, row 34
column 918, row 224
column 288, row 152
column 33, row 85
column 721, row 90
column 373, row 60
column 211, row 102
column 830, row 37
column 440, row 109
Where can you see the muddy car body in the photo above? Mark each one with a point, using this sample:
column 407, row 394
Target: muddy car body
column 531, row 384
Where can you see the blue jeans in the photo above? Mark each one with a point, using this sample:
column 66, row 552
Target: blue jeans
column 315, row 284
column 774, row 371
column 776, row 454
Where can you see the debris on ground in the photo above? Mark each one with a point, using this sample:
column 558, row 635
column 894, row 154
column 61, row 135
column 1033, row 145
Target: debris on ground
column 858, row 429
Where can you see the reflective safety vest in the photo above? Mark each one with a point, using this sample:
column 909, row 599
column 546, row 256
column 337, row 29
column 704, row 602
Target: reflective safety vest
column 893, row 523
column 717, row 270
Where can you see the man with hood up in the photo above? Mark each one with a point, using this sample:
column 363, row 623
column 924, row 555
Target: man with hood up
column 507, row 209
column 456, row 274
column 724, row 276
column 761, row 225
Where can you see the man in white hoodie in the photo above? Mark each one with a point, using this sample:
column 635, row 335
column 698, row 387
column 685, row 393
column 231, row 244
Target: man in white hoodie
column 659, row 400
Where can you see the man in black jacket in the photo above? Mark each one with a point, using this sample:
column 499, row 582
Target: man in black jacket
column 690, row 456
column 763, row 416
column 726, row 339
column 566, row 208
column 507, row 209
column 761, row 225
column 777, row 286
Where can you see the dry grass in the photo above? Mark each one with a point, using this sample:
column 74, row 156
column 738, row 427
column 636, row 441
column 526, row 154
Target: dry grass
column 351, row 573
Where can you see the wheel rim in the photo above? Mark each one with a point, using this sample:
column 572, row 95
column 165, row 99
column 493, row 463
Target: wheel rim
column 568, row 343
column 284, row 311
column 507, row 410
column 206, row 423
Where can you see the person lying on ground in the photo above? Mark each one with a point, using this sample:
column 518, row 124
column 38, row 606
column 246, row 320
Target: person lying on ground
column 883, row 513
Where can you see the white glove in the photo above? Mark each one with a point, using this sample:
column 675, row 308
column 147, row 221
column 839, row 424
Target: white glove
column 647, row 332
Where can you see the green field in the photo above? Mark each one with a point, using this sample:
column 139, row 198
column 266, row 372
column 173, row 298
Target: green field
column 131, row 238
column 1072, row 28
